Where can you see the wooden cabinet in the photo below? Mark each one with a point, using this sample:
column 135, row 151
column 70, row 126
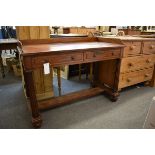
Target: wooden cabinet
column 136, row 65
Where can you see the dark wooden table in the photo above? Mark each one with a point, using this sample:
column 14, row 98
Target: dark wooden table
column 6, row 44
column 67, row 51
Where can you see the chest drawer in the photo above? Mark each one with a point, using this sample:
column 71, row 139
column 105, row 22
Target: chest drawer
column 136, row 63
column 99, row 55
column 148, row 47
column 132, row 48
column 132, row 78
column 58, row 59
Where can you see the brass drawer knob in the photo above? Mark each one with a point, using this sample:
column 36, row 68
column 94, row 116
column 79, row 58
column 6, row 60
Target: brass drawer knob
column 148, row 60
column 72, row 58
column 146, row 75
column 130, row 64
column 128, row 79
column 132, row 47
column 152, row 46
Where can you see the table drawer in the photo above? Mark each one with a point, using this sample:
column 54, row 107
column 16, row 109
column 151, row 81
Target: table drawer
column 136, row 63
column 148, row 47
column 99, row 55
column 132, row 78
column 132, row 48
column 59, row 59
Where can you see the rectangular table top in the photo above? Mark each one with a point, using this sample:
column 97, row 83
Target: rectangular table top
column 58, row 47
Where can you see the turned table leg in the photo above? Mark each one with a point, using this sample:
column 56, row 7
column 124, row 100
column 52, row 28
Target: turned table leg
column 80, row 71
column 59, row 79
column 91, row 72
column 1, row 65
column 36, row 118
column 115, row 94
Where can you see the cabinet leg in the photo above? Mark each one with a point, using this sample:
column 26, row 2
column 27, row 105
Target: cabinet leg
column 114, row 97
column 146, row 83
column 110, row 93
column 36, row 117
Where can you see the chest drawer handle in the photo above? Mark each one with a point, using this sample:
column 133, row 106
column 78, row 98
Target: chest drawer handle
column 148, row 60
column 130, row 64
column 72, row 58
column 152, row 46
column 132, row 47
column 146, row 75
column 128, row 79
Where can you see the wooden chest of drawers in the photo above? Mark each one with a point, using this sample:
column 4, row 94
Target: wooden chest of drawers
column 136, row 65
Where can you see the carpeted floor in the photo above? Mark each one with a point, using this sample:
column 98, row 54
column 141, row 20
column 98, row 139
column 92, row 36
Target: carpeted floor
column 97, row 112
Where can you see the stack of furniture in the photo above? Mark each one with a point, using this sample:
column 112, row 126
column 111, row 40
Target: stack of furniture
column 136, row 65
column 7, row 44
column 42, row 83
column 130, row 31
column 78, row 30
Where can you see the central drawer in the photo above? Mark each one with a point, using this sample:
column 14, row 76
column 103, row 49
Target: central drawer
column 132, row 48
column 132, row 78
column 137, row 63
column 59, row 59
column 99, row 55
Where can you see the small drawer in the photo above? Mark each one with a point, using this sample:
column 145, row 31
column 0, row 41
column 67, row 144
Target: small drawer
column 148, row 47
column 136, row 63
column 132, row 48
column 59, row 59
column 132, row 78
column 98, row 55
